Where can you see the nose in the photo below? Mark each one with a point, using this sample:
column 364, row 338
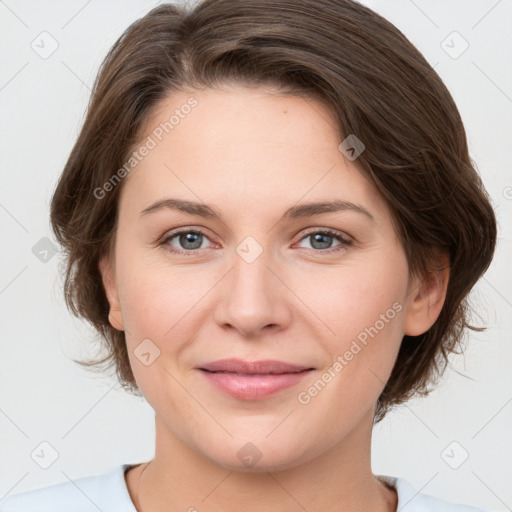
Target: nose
column 253, row 299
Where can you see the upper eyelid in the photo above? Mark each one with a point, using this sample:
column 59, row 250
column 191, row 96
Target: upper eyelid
column 180, row 231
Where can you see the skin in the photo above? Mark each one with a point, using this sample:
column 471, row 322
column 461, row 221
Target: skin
column 251, row 154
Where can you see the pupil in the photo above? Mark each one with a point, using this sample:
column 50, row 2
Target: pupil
column 190, row 240
column 319, row 238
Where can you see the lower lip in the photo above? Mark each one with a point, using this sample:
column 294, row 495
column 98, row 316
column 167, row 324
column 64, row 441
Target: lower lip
column 253, row 387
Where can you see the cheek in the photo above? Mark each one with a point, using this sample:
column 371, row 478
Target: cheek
column 161, row 301
column 157, row 303
column 361, row 308
column 349, row 298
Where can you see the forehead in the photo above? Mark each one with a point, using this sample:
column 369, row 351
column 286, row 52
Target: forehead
column 241, row 148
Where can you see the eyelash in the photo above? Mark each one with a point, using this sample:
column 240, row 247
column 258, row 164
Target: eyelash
column 345, row 242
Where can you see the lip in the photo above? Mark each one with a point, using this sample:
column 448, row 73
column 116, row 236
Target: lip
column 252, row 367
column 253, row 380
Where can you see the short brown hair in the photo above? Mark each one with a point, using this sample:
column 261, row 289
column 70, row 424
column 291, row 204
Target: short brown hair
column 377, row 85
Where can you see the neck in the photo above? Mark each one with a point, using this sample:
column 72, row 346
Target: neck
column 180, row 478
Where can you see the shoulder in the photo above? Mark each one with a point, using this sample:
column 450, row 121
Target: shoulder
column 106, row 492
column 410, row 500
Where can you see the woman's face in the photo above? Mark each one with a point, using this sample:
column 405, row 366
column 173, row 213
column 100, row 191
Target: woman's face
column 256, row 280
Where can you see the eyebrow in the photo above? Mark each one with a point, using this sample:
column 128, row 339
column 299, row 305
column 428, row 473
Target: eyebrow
column 302, row 210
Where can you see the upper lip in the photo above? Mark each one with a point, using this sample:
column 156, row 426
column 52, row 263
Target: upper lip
column 253, row 367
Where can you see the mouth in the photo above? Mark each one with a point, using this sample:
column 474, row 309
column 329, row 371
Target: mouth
column 256, row 380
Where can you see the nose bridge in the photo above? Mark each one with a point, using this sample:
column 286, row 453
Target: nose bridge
column 251, row 298
column 250, row 271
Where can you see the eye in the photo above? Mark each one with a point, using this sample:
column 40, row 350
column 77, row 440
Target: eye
column 188, row 241
column 185, row 241
column 322, row 240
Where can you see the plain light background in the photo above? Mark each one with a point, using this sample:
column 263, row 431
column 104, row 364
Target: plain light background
column 49, row 55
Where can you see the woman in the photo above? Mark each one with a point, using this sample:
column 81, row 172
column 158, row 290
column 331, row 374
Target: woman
column 271, row 217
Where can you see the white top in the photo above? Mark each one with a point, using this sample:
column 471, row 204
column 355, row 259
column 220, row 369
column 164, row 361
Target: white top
column 108, row 493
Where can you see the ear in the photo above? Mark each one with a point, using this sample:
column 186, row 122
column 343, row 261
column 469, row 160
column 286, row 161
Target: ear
column 426, row 297
column 115, row 316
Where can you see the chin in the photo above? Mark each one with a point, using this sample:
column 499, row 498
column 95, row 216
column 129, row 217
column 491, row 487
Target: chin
column 258, row 456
